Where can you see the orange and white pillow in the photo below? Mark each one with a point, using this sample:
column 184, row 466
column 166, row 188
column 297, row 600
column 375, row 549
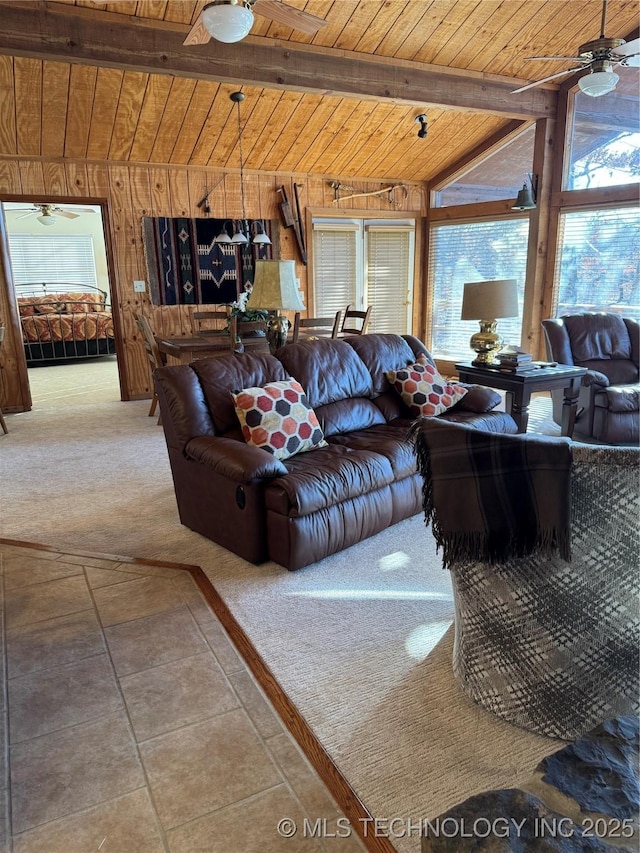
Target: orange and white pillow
column 278, row 418
column 423, row 390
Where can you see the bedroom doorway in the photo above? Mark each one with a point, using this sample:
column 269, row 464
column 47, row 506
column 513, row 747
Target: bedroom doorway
column 59, row 248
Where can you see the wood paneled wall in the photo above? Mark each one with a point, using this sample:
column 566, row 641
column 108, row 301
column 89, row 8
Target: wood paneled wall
column 128, row 193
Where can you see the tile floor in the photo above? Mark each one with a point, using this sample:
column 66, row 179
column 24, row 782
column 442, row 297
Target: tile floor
column 131, row 725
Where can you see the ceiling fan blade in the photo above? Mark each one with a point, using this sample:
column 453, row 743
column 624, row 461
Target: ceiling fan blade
column 545, row 79
column 198, row 34
column 57, row 211
column 275, row 10
column 632, row 61
column 629, row 48
column 31, row 213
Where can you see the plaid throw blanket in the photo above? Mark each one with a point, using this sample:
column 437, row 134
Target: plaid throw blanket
column 491, row 497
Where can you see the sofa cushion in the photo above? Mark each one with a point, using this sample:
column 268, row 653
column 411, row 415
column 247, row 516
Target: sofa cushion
column 380, row 353
column 390, row 440
column 221, row 375
column 329, row 476
column 278, row 418
column 328, row 369
column 423, row 389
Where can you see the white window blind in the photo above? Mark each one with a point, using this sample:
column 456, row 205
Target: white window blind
column 334, row 268
column 598, row 261
column 52, row 258
column 389, row 276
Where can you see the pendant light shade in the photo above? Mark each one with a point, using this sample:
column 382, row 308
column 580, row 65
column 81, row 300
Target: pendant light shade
column 228, row 21
column 260, row 237
column 239, row 237
column 599, row 82
column 46, row 219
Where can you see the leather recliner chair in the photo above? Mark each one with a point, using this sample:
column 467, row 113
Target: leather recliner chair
column 609, row 347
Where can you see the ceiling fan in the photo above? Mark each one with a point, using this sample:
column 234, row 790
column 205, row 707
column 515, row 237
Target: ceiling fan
column 599, row 56
column 231, row 20
column 47, row 214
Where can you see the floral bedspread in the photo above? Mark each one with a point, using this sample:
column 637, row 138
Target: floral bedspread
column 67, row 327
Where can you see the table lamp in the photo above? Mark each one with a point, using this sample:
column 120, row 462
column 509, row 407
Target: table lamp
column 486, row 301
column 275, row 288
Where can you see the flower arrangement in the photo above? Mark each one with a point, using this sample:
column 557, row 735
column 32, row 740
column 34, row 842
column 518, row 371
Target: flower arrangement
column 240, row 309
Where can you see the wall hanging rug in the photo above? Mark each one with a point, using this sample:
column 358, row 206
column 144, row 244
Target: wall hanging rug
column 186, row 267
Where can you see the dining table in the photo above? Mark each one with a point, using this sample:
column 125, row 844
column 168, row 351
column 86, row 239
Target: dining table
column 188, row 349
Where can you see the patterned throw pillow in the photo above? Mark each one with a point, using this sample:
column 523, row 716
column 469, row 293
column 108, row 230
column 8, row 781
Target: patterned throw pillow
column 423, row 390
column 278, row 418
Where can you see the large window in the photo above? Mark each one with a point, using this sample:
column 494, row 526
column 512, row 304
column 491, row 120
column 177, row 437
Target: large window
column 598, row 261
column 473, row 251
column 365, row 263
column 605, row 138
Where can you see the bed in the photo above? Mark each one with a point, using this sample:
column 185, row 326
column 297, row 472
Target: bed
column 64, row 321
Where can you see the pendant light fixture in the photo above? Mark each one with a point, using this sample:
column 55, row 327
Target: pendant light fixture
column 228, row 20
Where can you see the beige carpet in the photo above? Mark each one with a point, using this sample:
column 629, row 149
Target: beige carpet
column 360, row 642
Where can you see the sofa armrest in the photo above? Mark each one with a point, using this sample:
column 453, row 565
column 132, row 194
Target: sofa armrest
column 594, row 377
column 478, row 399
column 239, row 462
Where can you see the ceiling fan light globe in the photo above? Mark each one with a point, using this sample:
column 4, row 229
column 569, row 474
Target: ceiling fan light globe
column 598, row 83
column 46, row 219
column 227, row 21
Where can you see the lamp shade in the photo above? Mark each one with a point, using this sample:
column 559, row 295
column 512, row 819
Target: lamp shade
column 275, row 287
column 46, row 219
column 227, row 20
column 488, row 300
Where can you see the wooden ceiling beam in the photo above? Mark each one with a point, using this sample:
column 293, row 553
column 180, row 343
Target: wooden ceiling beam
column 58, row 32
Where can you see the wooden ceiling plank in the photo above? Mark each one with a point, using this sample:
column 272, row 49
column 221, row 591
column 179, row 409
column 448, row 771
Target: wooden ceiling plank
column 369, row 134
column 345, row 136
column 182, row 13
column 309, row 119
column 199, row 106
column 55, row 178
column 8, row 139
column 152, row 9
column 55, row 95
column 328, row 134
column 105, row 106
column 454, row 33
column 216, row 121
column 340, row 13
column 82, row 84
column 371, row 142
column 382, row 24
column 410, row 30
column 265, row 110
column 28, row 93
column 172, row 119
column 358, row 24
column 123, row 7
column 523, row 42
column 127, row 45
column 131, row 96
column 320, row 8
column 491, row 38
column 151, row 112
column 270, row 134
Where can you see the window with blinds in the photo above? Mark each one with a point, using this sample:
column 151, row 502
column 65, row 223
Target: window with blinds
column 335, row 267
column 53, row 258
column 389, row 277
column 598, row 261
column 365, row 263
column 473, row 251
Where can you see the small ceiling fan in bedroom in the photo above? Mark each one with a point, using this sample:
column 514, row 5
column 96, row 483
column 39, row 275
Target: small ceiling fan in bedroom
column 231, row 20
column 599, row 56
column 47, row 214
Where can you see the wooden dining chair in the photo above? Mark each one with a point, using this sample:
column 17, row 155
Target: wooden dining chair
column 201, row 321
column 354, row 322
column 304, row 328
column 156, row 358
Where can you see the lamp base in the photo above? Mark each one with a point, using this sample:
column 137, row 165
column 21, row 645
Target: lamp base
column 277, row 329
column 486, row 343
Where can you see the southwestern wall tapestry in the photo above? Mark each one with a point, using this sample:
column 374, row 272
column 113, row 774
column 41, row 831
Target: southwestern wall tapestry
column 186, row 267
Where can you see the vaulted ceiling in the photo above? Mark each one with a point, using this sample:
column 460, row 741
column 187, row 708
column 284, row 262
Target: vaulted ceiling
column 97, row 81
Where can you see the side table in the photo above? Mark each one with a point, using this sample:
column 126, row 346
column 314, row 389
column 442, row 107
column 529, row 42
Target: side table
column 520, row 386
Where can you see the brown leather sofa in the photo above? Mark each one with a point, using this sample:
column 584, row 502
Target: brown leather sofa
column 609, row 347
column 300, row 510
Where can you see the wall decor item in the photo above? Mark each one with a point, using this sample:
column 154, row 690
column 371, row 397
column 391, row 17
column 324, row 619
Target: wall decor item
column 186, row 266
